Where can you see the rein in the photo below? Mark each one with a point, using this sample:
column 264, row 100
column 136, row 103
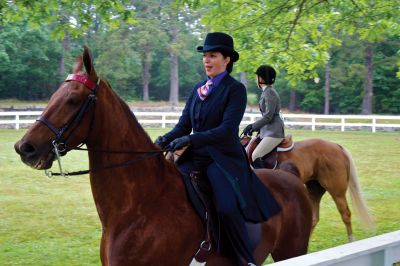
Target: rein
column 148, row 154
column 60, row 143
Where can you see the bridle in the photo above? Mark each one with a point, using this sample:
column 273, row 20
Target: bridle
column 60, row 142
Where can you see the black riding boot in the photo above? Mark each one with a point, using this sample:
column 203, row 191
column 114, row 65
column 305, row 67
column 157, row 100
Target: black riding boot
column 258, row 163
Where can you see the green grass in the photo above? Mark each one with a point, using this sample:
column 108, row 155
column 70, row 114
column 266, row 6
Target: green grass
column 54, row 221
column 15, row 102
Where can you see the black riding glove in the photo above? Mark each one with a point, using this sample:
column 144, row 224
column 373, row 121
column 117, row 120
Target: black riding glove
column 248, row 130
column 161, row 141
column 178, row 143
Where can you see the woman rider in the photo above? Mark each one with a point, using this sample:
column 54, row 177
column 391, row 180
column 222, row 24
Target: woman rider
column 213, row 111
column 270, row 126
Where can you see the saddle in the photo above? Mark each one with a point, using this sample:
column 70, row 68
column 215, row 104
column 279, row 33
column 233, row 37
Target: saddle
column 271, row 159
column 200, row 195
column 200, row 192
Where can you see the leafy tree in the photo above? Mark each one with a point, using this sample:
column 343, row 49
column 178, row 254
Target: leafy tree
column 118, row 61
column 298, row 35
column 147, row 49
column 66, row 19
column 178, row 25
column 386, row 84
column 190, row 72
column 147, row 36
column 75, row 17
column 27, row 60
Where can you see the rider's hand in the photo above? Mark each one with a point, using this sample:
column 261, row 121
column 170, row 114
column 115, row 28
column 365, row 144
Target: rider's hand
column 161, row 141
column 178, row 143
column 248, row 130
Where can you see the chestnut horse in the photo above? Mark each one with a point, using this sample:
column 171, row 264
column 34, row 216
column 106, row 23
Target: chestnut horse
column 140, row 197
column 325, row 166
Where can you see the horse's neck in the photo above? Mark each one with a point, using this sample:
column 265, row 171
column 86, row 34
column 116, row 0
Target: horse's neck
column 126, row 186
column 134, row 202
column 115, row 127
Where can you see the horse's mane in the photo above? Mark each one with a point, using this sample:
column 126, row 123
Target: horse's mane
column 128, row 112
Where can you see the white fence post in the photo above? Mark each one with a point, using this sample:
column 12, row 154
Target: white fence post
column 163, row 118
column 343, row 124
column 373, row 124
column 313, row 123
column 16, row 121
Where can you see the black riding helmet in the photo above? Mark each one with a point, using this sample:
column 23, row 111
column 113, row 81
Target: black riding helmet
column 267, row 73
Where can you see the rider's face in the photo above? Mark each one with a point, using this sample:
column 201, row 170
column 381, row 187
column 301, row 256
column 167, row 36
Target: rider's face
column 259, row 81
column 214, row 63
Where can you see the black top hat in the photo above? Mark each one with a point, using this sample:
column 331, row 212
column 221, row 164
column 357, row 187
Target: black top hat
column 219, row 41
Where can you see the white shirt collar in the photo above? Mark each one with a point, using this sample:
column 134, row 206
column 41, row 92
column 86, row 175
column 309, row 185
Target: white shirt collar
column 263, row 87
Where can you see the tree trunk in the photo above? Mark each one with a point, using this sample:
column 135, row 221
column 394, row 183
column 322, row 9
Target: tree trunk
column 292, row 101
column 65, row 50
column 173, row 59
column 146, row 62
column 368, row 86
column 327, row 86
column 243, row 78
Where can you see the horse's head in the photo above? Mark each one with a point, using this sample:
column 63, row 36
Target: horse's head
column 66, row 120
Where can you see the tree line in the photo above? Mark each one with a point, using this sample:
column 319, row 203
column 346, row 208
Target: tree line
column 331, row 57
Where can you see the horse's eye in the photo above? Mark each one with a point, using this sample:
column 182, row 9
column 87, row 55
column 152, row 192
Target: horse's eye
column 73, row 100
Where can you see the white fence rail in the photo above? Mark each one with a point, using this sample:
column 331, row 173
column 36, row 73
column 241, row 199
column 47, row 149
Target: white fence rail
column 382, row 250
column 18, row 118
column 308, row 121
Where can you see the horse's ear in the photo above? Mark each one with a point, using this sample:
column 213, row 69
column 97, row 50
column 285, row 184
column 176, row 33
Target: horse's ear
column 78, row 65
column 88, row 62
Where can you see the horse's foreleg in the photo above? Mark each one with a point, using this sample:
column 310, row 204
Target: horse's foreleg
column 315, row 192
column 103, row 254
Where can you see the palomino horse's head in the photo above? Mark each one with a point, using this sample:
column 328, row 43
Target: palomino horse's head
column 66, row 120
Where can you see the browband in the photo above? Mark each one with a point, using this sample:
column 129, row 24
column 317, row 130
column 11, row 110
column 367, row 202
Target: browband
column 82, row 79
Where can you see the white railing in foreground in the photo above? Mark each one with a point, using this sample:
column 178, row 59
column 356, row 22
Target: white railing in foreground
column 169, row 119
column 382, row 250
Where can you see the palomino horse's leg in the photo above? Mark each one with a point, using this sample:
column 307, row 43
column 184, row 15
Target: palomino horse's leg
column 315, row 191
column 343, row 207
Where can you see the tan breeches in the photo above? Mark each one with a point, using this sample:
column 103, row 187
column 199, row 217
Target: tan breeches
column 266, row 145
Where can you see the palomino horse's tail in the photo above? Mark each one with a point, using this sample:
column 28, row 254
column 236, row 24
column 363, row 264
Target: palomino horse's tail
column 359, row 204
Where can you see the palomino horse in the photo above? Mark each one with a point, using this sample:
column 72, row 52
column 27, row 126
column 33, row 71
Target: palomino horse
column 325, row 166
column 140, row 197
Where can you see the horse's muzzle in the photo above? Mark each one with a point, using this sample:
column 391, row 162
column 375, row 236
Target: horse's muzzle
column 32, row 156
